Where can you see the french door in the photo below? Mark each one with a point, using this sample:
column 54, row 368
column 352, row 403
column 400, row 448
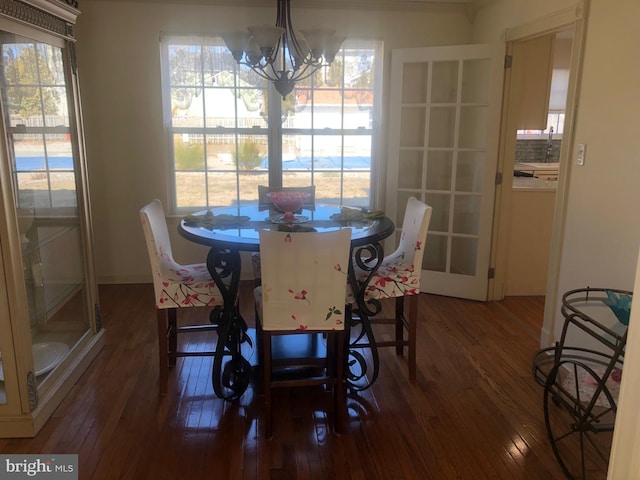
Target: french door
column 443, row 149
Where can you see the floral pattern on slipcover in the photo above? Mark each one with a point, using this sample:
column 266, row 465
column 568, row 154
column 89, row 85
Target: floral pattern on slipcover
column 303, row 280
column 396, row 277
column 399, row 272
column 186, row 285
column 175, row 285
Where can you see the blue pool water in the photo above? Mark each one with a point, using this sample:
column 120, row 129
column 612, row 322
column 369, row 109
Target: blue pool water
column 37, row 163
column 324, row 163
column 299, row 163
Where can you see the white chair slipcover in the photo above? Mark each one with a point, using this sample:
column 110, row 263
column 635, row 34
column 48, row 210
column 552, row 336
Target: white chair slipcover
column 175, row 286
column 304, row 280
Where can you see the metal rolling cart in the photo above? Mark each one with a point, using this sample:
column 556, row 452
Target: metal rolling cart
column 581, row 384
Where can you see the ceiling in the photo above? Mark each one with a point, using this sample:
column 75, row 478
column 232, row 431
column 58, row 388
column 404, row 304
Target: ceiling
column 342, row 4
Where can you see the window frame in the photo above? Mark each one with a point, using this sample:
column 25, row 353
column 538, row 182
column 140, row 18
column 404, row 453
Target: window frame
column 274, row 132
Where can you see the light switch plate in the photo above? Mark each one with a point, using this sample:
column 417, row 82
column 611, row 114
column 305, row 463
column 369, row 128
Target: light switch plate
column 582, row 149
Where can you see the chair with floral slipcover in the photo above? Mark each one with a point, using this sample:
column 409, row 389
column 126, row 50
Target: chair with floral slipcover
column 398, row 277
column 264, row 203
column 175, row 286
column 304, row 280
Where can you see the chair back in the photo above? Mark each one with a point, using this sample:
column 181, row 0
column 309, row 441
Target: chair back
column 408, row 256
column 304, row 279
column 263, row 200
column 156, row 234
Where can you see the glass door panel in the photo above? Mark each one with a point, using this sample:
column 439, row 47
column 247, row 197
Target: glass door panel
column 415, row 81
column 42, row 160
column 444, row 82
column 444, row 126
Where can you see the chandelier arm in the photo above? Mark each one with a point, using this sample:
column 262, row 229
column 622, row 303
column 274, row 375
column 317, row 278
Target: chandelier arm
column 308, row 70
column 298, row 61
column 266, row 71
column 293, row 43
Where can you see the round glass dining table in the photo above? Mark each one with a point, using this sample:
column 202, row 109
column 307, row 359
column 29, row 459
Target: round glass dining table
column 231, row 230
column 252, row 218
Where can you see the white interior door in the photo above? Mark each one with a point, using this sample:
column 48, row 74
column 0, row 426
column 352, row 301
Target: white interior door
column 443, row 148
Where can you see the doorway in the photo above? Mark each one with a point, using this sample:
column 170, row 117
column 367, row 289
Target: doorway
column 535, row 173
column 565, row 24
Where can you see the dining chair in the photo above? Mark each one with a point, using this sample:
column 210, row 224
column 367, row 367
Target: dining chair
column 398, row 276
column 263, row 203
column 175, row 286
column 303, row 293
column 264, row 189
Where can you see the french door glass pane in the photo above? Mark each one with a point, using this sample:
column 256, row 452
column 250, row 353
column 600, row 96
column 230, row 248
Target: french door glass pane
column 403, row 197
column 440, row 213
column 444, row 87
column 435, row 256
column 463, row 255
column 466, row 214
column 415, row 83
column 475, row 81
column 470, row 171
column 442, row 127
column 410, row 169
column 439, row 170
column 472, row 131
column 412, row 123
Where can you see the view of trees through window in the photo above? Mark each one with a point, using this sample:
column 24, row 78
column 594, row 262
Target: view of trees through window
column 220, row 129
column 33, row 85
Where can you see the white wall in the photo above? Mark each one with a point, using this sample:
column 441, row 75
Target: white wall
column 118, row 58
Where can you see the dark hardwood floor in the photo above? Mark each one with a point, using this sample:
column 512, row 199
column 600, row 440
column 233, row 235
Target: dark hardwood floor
column 475, row 411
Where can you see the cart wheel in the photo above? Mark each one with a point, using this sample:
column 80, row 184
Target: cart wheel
column 580, row 428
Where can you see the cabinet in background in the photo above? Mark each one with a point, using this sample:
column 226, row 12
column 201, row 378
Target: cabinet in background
column 49, row 312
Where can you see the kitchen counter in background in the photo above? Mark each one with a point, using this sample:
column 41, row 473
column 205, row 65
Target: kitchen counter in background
column 543, row 171
column 532, row 210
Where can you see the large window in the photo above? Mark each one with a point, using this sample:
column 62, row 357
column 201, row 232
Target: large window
column 225, row 140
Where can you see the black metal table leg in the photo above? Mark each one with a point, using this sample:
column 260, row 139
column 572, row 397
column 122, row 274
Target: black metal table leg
column 231, row 371
column 366, row 258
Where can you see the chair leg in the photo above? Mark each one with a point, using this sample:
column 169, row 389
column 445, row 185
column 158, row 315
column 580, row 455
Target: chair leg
column 163, row 363
column 266, row 348
column 340, row 387
column 399, row 325
column 413, row 321
column 260, row 353
column 330, row 364
column 172, row 333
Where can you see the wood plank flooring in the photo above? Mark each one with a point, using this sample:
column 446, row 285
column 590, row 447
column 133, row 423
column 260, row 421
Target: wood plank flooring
column 475, row 411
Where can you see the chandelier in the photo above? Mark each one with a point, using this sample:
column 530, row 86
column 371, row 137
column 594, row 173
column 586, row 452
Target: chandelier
column 280, row 54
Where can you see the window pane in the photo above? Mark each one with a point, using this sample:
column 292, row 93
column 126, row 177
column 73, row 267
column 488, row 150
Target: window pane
column 191, row 189
column 188, row 152
column 298, row 179
column 356, row 189
column 221, row 150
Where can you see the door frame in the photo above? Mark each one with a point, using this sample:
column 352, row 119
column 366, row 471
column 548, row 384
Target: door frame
column 575, row 17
